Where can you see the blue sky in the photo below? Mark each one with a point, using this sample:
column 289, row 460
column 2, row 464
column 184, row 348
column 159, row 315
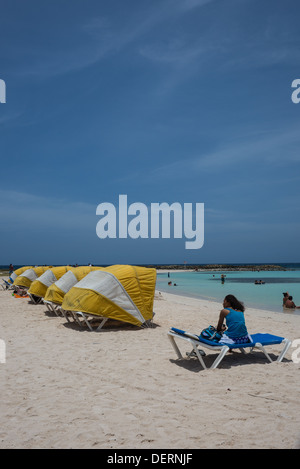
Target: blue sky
column 183, row 101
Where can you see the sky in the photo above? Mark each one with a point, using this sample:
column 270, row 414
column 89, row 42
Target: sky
column 165, row 101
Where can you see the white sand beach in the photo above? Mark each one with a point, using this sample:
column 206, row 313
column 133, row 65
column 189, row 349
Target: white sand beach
column 123, row 387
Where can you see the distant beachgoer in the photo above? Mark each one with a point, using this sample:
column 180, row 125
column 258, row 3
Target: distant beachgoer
column 11, row 269
column 285, row 298
column 290, row 303
column 169, row 283
column 233, row 314
column 21, row 291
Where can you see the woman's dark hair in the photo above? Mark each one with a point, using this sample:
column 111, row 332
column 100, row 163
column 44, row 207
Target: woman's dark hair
column 235, row 303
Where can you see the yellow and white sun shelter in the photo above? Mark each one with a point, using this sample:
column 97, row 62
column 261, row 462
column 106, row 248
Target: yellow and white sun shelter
column 18, row 272
column 121, row 292
column 56, row 292
column 39, row 286
column 26, row 278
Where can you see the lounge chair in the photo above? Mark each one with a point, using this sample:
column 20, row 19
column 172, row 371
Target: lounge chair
column 259, row 341
column 35, row 299
column 84, row 319
column 7, row 285
column 52, row 307
column 89, row 319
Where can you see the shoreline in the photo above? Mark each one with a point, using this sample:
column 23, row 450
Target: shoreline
column 293, row 312
column 217, row 305
column 63, row 386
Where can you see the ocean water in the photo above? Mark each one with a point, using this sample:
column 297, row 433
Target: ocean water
column 208, row 285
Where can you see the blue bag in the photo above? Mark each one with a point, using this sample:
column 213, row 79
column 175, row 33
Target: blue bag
column 211, row 333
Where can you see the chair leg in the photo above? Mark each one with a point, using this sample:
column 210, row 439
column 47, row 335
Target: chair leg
column 199, row 356
column 101, row 324
column 287, row 344
column 65, row 314
column 175, row 347
column 49, row 307
column 260, row 347
column 220, row 357
column 57, row 310
column 35, row 299
column 75, row 317
column 84, row 319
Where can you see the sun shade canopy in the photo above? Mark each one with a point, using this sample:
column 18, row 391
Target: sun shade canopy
column 56, row 292
column 19, row 271
column 28, row 276
column 39, row 286
column 124, row 293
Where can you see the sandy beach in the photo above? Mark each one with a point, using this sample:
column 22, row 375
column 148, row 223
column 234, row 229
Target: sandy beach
column 123, row 387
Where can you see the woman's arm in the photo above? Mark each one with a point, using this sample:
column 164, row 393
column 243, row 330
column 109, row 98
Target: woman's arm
column 222, row 316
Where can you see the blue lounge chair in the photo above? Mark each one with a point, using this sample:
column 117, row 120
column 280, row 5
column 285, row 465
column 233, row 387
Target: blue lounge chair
column 259, row 341
column 7, row 285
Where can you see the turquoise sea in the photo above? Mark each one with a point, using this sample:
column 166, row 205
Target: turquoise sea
column 208, row 286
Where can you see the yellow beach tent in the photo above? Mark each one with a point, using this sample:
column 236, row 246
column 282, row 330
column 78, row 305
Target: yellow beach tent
column 19, row 271
column 28, row 276
column 56, row 292
column 39, row 286
column 121, row 292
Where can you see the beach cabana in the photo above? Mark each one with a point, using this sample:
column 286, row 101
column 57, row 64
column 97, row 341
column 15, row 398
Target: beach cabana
column 28, row 276
column 120, row 292
column 18, row 272
column 38, row 287
column 9, row 283
column 55, row 293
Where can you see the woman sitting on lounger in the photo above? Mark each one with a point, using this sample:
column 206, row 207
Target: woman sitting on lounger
column 233, row 314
